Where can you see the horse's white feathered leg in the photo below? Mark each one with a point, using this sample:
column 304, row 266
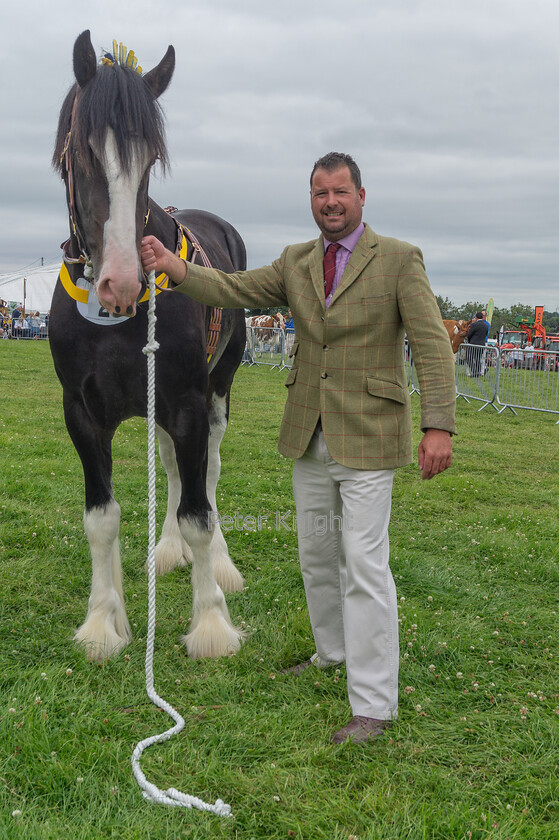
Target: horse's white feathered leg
column 105, row 630
column 211, row 632
column 171, row 550
column 226, row 573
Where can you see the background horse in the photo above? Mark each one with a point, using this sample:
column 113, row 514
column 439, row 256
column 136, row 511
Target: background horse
column 110, row 133
column 266, row 329
column 457, row 332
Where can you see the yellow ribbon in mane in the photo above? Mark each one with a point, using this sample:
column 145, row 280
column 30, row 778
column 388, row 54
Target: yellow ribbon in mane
column 123, row 56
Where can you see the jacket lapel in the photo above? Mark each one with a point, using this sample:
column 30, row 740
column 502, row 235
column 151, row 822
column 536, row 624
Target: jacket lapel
column 316, row 269
column 364, row 251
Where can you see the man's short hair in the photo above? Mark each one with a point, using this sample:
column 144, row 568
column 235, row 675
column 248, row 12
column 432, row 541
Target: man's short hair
column 479, row 316
column 333, row 160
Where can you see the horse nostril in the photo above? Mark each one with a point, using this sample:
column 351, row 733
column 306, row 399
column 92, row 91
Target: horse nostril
column 129, row 310
column 117, row 310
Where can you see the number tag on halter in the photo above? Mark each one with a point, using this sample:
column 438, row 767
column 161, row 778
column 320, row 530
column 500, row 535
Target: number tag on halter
column 92, row 309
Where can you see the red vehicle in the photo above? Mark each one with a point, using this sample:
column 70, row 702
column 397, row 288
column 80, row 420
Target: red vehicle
column 526, row 332
column 518, row 338
column 552, row 346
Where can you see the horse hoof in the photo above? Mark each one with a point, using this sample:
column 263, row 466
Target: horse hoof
column 213, row 637
column 103, row 636
column 98, row 651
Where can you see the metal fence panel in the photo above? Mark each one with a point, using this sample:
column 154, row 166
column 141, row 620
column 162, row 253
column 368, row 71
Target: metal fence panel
column 530, row 380
column 265, row 346
column 508, row 378
column 477, row 374
column 23, row 329
column 413, row 382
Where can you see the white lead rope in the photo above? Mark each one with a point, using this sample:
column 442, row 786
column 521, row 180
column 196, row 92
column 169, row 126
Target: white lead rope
column 150, row 791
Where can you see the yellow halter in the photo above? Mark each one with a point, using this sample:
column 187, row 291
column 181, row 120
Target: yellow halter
column 162, row 281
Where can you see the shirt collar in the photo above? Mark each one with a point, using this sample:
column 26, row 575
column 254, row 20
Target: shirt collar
column 350, row 241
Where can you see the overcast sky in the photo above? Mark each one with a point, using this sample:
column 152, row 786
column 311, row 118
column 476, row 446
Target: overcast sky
column 449, row 107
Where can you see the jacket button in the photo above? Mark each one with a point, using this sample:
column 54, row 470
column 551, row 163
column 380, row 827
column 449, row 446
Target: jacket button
column 324, row 376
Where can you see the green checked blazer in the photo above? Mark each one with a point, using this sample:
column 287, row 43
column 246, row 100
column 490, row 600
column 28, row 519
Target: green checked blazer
column 348, row 360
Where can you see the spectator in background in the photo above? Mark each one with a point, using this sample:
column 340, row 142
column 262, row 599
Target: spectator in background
column 5, row 320
column 477, row 336
column 289, row 325
column 289, row 334
column 16, row 313
column 517, row 356
column 529, row 355
column 34, row 321
column 20, row 327
column 484, row 314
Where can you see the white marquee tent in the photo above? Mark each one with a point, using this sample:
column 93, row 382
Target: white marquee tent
column 34, row 287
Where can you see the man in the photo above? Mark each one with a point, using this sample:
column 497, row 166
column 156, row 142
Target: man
column 347, row 420
column 289, row 333
column 517, row 356
column 529, row 355
column 289, row 325
column 477, row 336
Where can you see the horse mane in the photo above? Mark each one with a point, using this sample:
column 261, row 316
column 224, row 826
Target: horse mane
column 116, row 98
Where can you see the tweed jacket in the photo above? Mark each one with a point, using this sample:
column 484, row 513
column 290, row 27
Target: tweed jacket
column 348, row 360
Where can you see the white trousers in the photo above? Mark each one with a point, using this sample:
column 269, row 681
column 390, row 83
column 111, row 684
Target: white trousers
column 342, row 524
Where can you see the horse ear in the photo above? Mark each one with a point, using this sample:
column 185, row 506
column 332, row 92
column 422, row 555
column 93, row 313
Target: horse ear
column 85, row 62
column 158, row 78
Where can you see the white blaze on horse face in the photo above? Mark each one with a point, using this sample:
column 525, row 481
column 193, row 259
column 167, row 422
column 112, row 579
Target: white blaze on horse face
column 119, row 282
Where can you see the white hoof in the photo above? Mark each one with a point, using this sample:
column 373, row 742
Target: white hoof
column 227, row 576
column 170, row 553
column 103, row 634
column 212, row 637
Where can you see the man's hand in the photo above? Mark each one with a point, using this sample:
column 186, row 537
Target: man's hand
column 434, row 452
column 156, row 257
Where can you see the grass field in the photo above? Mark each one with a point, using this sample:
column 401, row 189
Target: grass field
column 475, row 751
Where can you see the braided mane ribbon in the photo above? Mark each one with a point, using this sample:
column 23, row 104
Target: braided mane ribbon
column 122, row 56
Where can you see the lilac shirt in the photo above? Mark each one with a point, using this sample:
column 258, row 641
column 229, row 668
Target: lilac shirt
column 348, row 243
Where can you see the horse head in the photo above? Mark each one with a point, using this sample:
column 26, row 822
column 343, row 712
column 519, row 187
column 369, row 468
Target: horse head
column 110, row 135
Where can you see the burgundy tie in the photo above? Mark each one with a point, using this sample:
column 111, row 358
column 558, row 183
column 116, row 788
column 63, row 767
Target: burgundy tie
column 330, row 267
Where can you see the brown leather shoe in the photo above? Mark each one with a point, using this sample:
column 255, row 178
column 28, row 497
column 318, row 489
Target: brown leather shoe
column 360, row 729
column 298, row 669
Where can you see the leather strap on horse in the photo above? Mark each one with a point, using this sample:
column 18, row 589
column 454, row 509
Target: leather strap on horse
column 215, row 320
column 66, row 161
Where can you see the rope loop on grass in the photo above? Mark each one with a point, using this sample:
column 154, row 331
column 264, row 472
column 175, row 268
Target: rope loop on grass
column 150, row 792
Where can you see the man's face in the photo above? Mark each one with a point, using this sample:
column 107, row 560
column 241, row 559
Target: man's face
column 336, row 203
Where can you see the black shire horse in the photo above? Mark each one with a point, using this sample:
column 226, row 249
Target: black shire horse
column 110, row 133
